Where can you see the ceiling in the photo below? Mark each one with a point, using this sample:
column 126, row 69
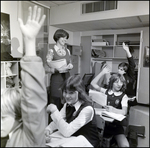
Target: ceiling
column 108, row 24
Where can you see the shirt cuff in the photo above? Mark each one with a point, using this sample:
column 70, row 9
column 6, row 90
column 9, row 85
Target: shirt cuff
column 56, row 116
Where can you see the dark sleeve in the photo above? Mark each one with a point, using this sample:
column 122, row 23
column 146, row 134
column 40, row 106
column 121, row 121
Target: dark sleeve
column 131, row 68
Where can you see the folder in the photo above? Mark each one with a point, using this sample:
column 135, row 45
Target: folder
column 115, row 116
column 57, row 63
column 98, row 97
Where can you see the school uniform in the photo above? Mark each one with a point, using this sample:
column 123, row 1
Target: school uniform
column 81, row 122
column 130, row 78
column 57, row 78
column 117, row 100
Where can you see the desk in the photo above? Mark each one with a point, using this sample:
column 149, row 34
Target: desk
column 58, row 140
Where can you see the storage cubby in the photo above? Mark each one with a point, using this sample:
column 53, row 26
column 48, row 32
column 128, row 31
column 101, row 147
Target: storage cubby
column 131, row 38
column 7, row 80
column 110, row 45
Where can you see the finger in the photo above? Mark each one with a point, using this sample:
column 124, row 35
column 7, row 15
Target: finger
column 42, row 20
column 38, row 14
column 29, row 13
column 34, row 12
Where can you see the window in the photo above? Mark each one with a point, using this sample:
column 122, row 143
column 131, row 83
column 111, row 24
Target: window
column 98, row 6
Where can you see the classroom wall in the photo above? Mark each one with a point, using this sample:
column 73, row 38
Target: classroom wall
column 11, row 8
column 72, row 12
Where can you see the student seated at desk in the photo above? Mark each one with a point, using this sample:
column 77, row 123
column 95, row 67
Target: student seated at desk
column 116, row 102
column 77, row 117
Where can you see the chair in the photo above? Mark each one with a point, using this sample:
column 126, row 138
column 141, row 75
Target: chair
column 87, row 78
column 100, row 125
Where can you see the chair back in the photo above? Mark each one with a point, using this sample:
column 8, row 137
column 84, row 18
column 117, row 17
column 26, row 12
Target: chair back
column 87, row 78
column 100, row 126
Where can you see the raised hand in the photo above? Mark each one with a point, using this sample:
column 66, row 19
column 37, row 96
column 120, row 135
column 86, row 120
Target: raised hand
column 33, row 25
column 31, row 29
column 106, row 69
column 125, row 47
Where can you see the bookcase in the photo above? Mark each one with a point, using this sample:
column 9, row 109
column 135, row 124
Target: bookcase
column 108, row 47
column 10, row 80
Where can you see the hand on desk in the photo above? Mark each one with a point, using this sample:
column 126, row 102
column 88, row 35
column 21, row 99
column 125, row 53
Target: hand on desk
column 109, row 108
column 48, row 132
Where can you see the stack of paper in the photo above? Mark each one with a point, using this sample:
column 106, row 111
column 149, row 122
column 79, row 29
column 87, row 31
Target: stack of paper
column 79, row 141
column 57, row 63
column 98, row 97
column 58, row 140
column 115, row 116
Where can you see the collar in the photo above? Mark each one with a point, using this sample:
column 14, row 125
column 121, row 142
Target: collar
column 110, row 92
column 56, row 47
column 77, row 105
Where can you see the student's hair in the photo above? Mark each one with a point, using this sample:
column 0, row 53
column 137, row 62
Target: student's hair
column 10, row 102
column 124, row 65
column 75, row 83
column 60, row 33
column 114, row 77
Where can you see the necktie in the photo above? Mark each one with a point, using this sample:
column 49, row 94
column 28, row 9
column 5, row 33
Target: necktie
column 69, row 112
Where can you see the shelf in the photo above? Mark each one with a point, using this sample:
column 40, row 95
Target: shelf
column 11, row 75
column 11, row 78
column 111, row 58
column 114, row 46
column 103, row 46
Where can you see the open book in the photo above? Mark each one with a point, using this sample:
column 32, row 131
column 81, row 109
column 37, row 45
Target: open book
column 109, row 116
column 115, row 116
column 98, row 97
column 58, row 63
column 58, row 140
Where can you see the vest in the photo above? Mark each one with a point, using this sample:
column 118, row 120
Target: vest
column 113, row 100
column 58, row 57
column 89, row 131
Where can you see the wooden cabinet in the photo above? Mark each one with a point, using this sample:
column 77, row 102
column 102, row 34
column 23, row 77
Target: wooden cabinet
column 9, row 78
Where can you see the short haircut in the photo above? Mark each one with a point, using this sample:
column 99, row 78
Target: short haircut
column 124, row 65
column 11, row 102
column 114, row 77
column 60, row 33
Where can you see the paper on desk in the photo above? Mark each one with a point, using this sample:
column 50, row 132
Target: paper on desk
column 115, row 116
column 58, row 63
column 98, row 97
column 58, row 140
column 79, row 141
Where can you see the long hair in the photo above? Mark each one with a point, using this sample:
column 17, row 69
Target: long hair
column 11, row 102
column 114, row 77
column 75, row 83
column 60, row 33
